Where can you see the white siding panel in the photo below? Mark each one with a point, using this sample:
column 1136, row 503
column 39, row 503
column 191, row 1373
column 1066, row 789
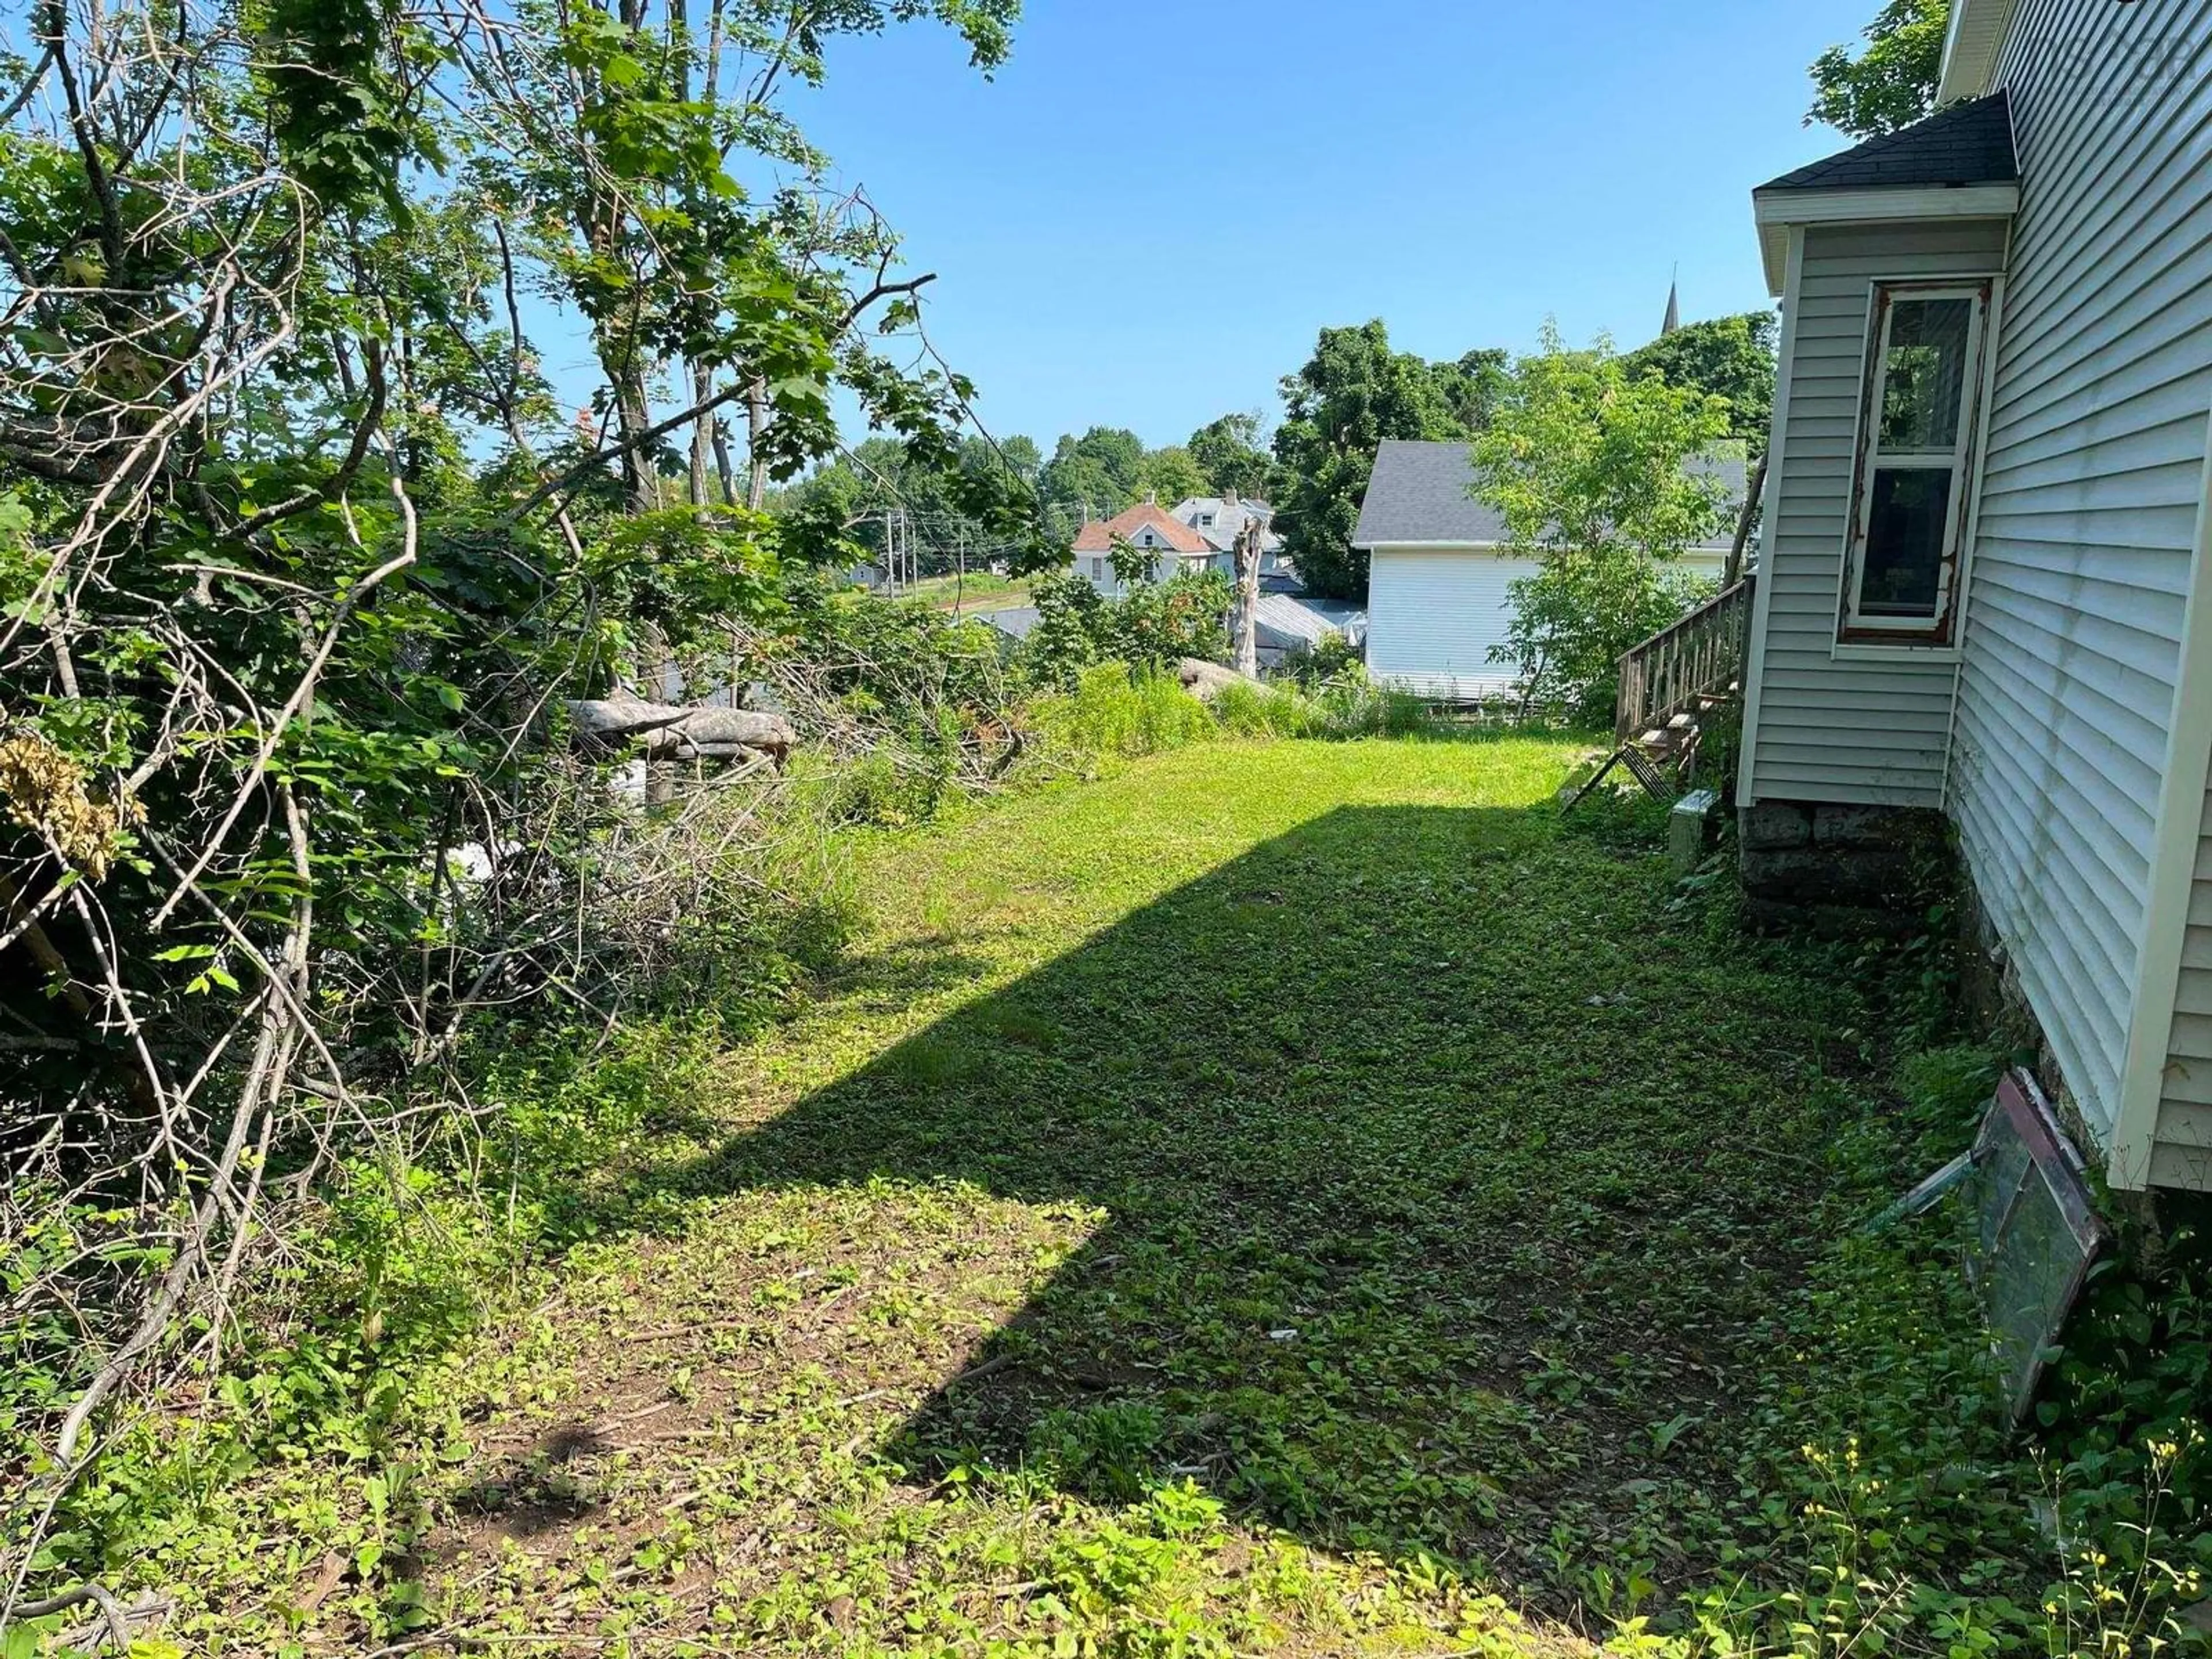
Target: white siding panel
column 1433, row 615
column 2175, row 1165
column 1845, row 729
column 2089, row 506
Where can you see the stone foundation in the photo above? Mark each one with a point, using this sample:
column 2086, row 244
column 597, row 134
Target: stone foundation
column 1854, row 871
column 1841, row 869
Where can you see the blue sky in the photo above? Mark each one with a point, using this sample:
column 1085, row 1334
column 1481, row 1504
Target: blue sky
column 1146, row 217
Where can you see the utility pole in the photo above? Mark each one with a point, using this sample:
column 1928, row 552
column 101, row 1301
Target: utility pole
column 1247, row 611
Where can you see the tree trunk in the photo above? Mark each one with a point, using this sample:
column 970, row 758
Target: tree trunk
column 639, row 481
column 726, row 469
column 702, row 434
column 1732, row 572
column 1247, row 611
column 1206, row 680
column 757, row 427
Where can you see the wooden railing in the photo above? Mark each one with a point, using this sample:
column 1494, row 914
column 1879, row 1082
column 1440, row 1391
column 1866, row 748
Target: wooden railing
column 1700, row 656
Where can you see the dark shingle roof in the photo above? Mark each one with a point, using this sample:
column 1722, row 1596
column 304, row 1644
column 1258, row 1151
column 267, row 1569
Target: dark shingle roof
column 1424, row 492
column 1969, row 143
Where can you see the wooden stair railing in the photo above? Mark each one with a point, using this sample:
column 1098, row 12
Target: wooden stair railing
column 1697, row 659
column 1674, row 677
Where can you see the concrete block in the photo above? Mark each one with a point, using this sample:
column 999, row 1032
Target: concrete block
column 1773, row 825
column 1686, row 830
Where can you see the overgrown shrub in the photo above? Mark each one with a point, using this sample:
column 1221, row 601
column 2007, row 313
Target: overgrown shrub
column 1152, row 625
column 1336, row 710
column 1330, row 661
column 1117, row 710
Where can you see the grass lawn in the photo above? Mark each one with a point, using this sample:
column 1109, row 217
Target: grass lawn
column 1294, row 1198
column 980, row 590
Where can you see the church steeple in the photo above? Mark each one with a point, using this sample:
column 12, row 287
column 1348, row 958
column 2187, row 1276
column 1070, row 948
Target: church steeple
column 1673, row 308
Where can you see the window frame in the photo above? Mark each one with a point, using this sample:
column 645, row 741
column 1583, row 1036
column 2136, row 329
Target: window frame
column 1939, row 630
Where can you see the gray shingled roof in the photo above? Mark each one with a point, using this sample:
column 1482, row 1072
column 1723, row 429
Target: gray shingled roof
column 1423, row 492
column 1968, row 143
column 1229, row 517
column 1288, row 620
column 1015, row 622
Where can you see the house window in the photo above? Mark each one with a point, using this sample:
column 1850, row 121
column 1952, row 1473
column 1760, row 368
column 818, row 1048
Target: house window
column 1206, row 522
column 1915, row 463
column 1098, row 570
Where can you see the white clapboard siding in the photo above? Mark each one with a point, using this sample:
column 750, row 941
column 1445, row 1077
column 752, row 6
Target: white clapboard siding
column 2181, row 1151
column 2082, row 562
column 1845, row 729
column 1433, row 615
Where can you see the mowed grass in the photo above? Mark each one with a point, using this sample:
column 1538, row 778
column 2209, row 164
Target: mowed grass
column 1291, row 1198
column 977, row 588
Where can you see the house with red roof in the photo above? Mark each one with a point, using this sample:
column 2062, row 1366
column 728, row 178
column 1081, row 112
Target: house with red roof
column 1175, row 546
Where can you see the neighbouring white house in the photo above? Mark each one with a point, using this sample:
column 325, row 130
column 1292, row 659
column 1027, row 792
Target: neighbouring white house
column 1175, row 546
column 1439, row 575
column 1984, row 590
column 1222, row 519
column 1199, row 534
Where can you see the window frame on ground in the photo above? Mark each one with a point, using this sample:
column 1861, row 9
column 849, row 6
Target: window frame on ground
column 1874, row 462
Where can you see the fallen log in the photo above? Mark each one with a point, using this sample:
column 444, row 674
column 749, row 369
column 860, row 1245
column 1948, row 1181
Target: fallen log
column 755, row 730
column 672, row 731
column 726, row 734
column 613, row 719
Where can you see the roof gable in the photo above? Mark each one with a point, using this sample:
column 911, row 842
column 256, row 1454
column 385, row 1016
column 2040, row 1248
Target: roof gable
column 1968, row 143
column 1230, row 517
column 1098, row 537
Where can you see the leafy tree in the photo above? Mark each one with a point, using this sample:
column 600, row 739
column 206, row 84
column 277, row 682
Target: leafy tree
column 1892, row 82
column 300, row 575
column 1102, row 471
column 1472, row 386
column 1587, row 465
column 1353, row 393
column 955, row 502
column 1228, row 453
column 1172, row 474
column 1153, row 622
column 1730, row 357
column 1185, row 616
column 1018, row 455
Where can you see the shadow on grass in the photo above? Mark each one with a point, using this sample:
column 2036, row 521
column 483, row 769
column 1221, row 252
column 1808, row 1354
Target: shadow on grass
column 1442, row 1214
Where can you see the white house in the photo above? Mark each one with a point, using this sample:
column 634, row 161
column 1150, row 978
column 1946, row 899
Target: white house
column 1173, row 545
column 1222, row 519
column 1200, row 534
column 1438, row 576
column 1984, row 589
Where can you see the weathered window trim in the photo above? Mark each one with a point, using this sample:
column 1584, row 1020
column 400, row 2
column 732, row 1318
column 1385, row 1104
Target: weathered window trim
column 1936, row 638
column 1844, row 651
